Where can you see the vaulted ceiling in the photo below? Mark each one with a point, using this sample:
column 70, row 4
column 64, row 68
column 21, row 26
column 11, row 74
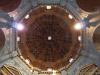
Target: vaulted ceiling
column 49, row 38
column 9, row 5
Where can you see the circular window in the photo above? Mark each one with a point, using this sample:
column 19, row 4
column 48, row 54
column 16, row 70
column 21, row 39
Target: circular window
column 9, row 5
column 89, row 5
column 96, row 38
column 49, row 39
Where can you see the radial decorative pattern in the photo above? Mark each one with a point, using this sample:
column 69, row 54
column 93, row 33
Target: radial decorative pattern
column 49, row 39
column 89, row 5
column 2, row 39
column 9, row 5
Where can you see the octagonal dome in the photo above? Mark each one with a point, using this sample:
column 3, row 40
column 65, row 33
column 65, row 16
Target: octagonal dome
column 49, row 39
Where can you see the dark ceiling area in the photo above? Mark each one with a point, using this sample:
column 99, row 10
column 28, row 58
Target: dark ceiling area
column 2, row 39
column 49, row 39
column 9, row 5
column 89, row 5
column 96, row 38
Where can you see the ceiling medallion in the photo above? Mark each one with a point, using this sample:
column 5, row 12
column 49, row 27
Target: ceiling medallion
column 49, row 40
